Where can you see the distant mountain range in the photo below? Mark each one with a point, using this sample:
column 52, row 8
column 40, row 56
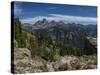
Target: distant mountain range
column 70, row 34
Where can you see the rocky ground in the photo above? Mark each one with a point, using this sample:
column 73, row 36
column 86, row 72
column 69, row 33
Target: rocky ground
column 24, row 63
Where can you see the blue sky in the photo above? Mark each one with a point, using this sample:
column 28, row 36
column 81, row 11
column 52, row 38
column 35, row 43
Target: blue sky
column 32, row 12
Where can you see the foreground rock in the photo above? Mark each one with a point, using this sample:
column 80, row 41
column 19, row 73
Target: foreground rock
column 76, row 63
column 22, row 59
column 24, row 63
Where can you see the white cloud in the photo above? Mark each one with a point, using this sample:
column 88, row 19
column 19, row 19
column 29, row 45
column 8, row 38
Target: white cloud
column 65, row 18
column 76, row 19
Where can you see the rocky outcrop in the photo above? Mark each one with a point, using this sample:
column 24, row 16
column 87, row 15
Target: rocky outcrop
column 24, row 63
column 76, row 63
column 90, row 45
column 22, row 59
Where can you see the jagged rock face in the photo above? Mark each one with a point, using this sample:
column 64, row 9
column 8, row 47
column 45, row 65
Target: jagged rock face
column 40, row 24
column 58, row 31
column 45, row 24
column 70, row 34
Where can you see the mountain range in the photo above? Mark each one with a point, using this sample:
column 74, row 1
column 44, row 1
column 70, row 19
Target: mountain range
column 69, row 34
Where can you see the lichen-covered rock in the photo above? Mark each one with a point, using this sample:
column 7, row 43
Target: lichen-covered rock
column 22, row 58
